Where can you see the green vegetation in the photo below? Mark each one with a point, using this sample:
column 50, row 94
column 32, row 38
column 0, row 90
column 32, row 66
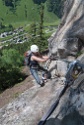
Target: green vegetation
column 37, row 24
column 11, row 61
column 25, row 13
column 9, row 68
column 4, row 28
column 39, row 1
column 12, row 4
column 55, row 6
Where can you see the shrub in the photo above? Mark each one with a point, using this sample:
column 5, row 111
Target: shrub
column 10, row 63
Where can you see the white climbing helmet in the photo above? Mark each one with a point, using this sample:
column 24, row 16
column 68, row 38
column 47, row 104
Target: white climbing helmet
column 34, row 48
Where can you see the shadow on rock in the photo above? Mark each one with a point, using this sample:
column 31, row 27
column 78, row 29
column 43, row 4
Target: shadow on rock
column 72, row 119
column 53, row 121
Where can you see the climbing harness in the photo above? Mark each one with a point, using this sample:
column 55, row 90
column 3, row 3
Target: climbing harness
column 75, row 69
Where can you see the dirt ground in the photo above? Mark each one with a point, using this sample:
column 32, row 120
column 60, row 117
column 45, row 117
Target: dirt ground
column 13, row 92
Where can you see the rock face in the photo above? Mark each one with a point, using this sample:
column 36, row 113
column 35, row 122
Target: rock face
column 70, row 31
column 65, row 46
column 70, row 110
column 29, row 107
column 68, row 41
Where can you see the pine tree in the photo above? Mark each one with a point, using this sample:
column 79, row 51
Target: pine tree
column 41, row 20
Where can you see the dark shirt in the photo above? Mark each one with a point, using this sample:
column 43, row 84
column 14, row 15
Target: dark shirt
column 33, row 64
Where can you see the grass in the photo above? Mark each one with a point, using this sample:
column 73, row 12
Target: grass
column 19, row 19
column 55, row 23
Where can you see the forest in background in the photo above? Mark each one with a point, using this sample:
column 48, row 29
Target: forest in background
column 11, row 56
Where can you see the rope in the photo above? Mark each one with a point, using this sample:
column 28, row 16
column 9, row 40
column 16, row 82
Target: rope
column 69, row 81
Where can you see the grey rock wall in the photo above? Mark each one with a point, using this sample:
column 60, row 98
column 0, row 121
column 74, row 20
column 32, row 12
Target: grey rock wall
column 28, row 108
column 68, row 41
column 65, row 45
